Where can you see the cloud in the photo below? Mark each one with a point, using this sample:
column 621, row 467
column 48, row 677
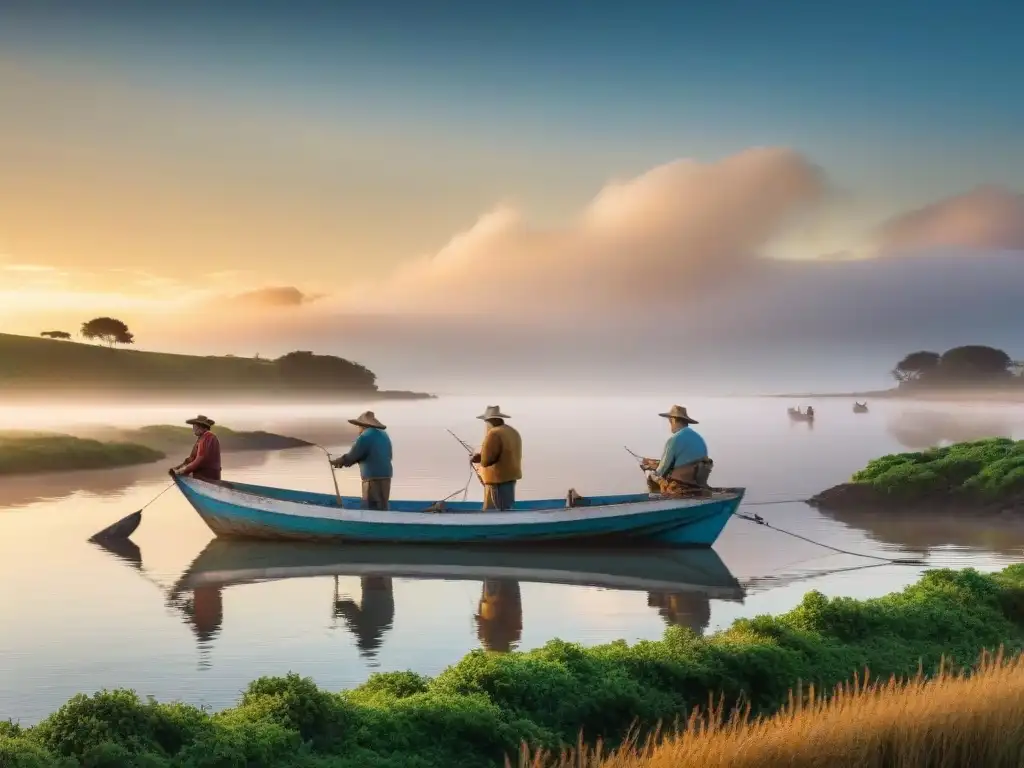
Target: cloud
column 644, row 241
column 988, row 218
column 278, row 296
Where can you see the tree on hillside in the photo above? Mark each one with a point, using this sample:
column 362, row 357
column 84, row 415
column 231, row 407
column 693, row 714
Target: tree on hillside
column 975, row 363
column 109, row 330
column 55, row 335
column 915, row 366
column 304, row 370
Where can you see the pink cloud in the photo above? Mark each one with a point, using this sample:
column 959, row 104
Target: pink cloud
column 988, row 218
column 648, row 239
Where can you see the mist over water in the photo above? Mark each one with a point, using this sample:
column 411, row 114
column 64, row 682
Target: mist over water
column 81, row 618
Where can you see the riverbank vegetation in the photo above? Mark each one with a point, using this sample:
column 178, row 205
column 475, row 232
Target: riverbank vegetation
column 983, row 475
column 170, row 438
column 949, row 721
column 29, row 452
column 32, row 364
column 487, row 705
column 109, row 448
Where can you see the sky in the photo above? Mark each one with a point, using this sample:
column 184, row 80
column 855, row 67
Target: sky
column 540, row 190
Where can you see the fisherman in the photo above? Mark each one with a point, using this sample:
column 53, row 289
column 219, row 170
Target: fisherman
column 500, row 459
column 372, row 452
column 810, row 411
column 204, row 461
column 684, row 467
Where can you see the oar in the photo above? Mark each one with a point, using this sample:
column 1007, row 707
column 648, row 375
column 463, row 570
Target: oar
column 334, row 477
column 469, row 450
column 126, row 526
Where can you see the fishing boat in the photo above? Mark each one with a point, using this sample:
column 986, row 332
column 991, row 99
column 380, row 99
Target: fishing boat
column 225, row 563
column 860, row 407
column 240, row 510
column 797, row 415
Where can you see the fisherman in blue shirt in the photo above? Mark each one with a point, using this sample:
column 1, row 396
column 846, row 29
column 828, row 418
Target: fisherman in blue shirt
column 372, row 452
column 684, row 467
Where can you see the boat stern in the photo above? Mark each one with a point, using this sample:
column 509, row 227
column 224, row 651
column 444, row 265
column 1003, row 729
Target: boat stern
column 702, row 528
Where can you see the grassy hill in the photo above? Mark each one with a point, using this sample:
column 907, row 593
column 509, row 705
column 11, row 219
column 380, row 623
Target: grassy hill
column 29, row 364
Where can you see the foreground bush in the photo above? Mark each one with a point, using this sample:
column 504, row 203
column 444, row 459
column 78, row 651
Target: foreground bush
column 486, row 706
column 946, row 722
column 987, row 469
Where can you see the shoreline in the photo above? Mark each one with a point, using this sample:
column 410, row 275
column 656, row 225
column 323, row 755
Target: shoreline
column 973, row 477
column 935, row 396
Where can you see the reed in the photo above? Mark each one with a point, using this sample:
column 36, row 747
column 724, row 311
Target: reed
column 956, row 718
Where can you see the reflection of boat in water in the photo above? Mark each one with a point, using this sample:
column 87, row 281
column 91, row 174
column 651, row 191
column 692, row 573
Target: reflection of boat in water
column 239, row 510
column 225, row 563
column 679, row 582
column 860, row 407
column 795, row 414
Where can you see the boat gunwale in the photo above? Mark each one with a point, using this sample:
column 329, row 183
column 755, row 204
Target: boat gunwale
column 655, row 502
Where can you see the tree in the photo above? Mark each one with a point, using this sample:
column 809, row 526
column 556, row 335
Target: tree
column 975, row 363
column 55, row 335
column 109, row 330
column 915, row 366
column 304, row 370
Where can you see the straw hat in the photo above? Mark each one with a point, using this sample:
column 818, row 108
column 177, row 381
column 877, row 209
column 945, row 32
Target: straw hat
column 493, row 412
column 678, row 412
column 202, row 421
column 367, row 419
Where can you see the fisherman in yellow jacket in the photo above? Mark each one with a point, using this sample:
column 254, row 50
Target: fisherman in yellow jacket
column 500, row 459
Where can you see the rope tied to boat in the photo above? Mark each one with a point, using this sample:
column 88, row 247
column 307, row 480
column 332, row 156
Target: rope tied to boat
column 756, row 518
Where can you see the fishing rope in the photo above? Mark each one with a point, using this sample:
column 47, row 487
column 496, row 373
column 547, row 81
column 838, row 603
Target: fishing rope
column 892, row 560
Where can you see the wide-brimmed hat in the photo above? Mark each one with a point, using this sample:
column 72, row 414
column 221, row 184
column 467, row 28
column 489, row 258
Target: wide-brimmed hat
column 367, row 419
column 678, row 412
column 493, row 412
column 202, row 421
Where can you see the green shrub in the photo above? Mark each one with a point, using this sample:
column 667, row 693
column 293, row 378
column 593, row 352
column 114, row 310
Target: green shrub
column 989, row 469
column 482, row 708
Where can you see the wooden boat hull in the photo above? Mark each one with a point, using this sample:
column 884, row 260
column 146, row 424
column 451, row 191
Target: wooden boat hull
column 225, row 563
column 796, row 415
column 238, row 510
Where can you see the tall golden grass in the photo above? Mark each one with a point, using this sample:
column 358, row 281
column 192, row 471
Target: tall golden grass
column 956, row 718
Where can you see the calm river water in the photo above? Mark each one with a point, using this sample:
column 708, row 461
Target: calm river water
column 178, row 618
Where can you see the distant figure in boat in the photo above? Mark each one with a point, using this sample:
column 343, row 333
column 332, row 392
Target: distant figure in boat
column 860, row 407
column 684, row 468
column 372, row 452
column 797, row 415
column 500, row 459
column 204, row 461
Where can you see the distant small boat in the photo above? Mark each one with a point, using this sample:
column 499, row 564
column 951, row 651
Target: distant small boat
column 797, row 415
column 860, row 407
column 239, row 510
column 224, row 563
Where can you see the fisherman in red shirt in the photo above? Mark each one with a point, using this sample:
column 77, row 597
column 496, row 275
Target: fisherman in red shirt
column 204, row 461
